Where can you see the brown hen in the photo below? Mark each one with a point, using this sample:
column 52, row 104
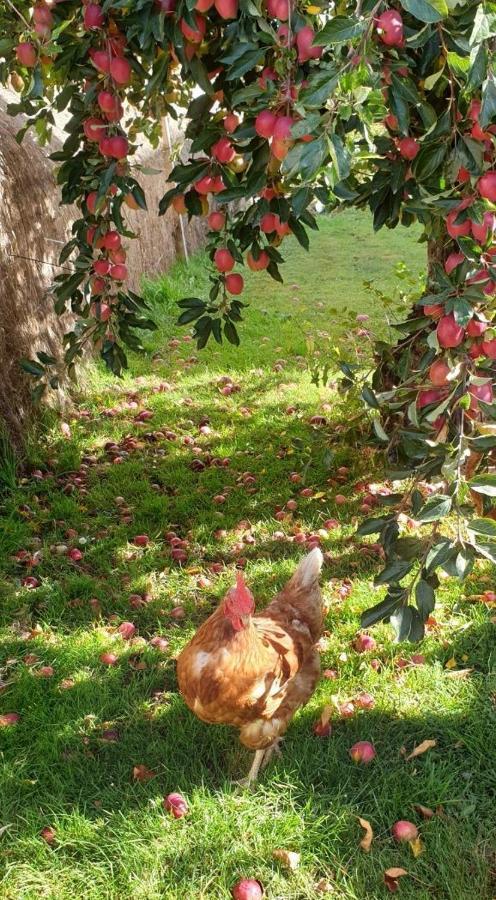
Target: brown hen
column 253, row 670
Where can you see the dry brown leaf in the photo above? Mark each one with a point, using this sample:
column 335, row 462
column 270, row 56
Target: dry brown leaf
column 425, row 811
column 324, row 887
column 417, row 847
column 391, row 878
column 141, row 773
column 422, row 748
column 459, row 673
column 287, row 858
column 368, row 837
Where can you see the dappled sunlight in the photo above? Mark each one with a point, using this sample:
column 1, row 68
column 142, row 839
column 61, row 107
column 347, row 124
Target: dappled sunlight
column 246, row 478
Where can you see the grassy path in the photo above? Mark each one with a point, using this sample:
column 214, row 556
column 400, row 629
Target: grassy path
column 103, row 735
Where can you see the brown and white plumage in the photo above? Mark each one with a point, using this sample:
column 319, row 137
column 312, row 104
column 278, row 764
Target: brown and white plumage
column 253, row 670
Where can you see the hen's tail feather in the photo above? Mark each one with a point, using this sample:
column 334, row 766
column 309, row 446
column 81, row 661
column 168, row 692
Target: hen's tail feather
column 308, row 570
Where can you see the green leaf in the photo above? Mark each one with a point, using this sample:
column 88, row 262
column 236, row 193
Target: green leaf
column 340, row 156
column 190, row 302
column 299, row 232
column 401, row 621
column 369, row 397
column 428, row 161
column 393, row 572
column 432, row 11
column 380, row 611
column 32, row 368
column 459, row 65
column 438, row 554
column 483, row 526
column 488, row 107
column 189, row 315
column 484, row 442
column 340, row 29
column 231, row 333
column 306, row 159
column 373, row 526
column 417, row 627
column 484, row 25
column 306, row 125
column 464, row 562
column 484, row 484
column 321, row 85
column 379, row 431
column 488, row 551
column 436, row 508
column 425, row 598
column 249, row 60
column 478, row 68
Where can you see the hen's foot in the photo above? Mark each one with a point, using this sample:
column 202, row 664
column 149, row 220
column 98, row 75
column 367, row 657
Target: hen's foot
column 260, row 761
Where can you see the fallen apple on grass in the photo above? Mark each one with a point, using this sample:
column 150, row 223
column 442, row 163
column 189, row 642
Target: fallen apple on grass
column 247, row 889
column 176, row 805
column 363, row 752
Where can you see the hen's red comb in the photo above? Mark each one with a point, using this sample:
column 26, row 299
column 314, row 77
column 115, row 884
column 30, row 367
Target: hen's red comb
column 242, row 595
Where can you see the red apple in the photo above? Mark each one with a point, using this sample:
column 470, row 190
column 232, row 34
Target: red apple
column 408, row 147
column 404, row 831
column 457, row 230
column 26, row 54
column 223, row 259
column 247, row 889
column 231, row 122
column 435, row 310
column 194, row 35
column 265, row 123
column 234, row 283
column 223, row 151
column 438, row 372
column 176, row 804
column 475, row 328
column 486, row 186
column 216, row 221
column 363, row 752
column 256, row 265
column 127, row 630
column 269, row 223
column 304, row 42
column 94, row 129
column 364, row 642
column 100, row 59
column 227, row 9
column 449, row 333
column 120, row 70
column 390, row 27
column 119, row 272
column 93, row 16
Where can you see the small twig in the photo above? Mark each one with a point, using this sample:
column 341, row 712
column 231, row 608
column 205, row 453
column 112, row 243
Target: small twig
column 452, row 102
column 43, row 262
column 18, row 13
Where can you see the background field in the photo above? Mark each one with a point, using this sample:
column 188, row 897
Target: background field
column 68, row 763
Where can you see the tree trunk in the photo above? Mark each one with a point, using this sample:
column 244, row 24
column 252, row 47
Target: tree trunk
column 437, row 251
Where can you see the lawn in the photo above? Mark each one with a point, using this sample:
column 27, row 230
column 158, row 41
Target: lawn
column 98, row 745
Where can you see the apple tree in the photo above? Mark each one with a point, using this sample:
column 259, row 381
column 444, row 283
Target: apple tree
column 380, row 105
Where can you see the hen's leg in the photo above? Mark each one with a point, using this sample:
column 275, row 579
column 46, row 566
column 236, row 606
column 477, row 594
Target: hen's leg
column 274, row 748
column 254, row 770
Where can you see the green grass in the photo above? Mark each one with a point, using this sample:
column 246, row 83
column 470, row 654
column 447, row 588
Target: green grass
column 113, row 838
